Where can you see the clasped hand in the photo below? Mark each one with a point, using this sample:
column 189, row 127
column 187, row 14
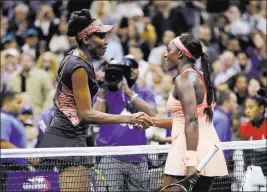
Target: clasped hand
column 141, row 121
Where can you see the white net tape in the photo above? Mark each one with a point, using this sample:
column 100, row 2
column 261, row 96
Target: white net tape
column 105, row 162
column 117, row 150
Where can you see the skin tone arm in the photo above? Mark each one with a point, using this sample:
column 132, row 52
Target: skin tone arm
column 138, row 102
column 186, row 91
column 165, row 123
column 184, row 86
column 6, row 145
column 100, row 105
column 83, row 101
column 162, row 139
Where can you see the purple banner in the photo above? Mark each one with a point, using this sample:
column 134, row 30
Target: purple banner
column 41, row 181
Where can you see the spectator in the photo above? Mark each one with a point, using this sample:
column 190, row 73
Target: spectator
column 2, row 79
column 129, row 99
column 3, row 26
column 216, row 67
column 209, row 47
column 102, row 10
column 261, row 18
column 166, row 18
column 263, row 72
column 137, row 53
column 48, row 62
column 10, row 64
column 226, row 104
column 115, row 48
column 35, row 82
column 46, row 22
column 256, row 128
column 127, row 9
column 251, row 13
column 234, row 16
column 228, row 60
column 13, row 134
column 234, row 45
column 148, row 33
column 156, row 55
column 244, row 64
column 31, row 43
column 26, row 113
column 253, row 87
column 241, row 88
column 59, row 43
column 258, row 54
column 31, row 133
column 19, row 23
column 12, row 130
column 9, row 41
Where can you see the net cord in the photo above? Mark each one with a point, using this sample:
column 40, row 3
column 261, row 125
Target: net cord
column 117, row 150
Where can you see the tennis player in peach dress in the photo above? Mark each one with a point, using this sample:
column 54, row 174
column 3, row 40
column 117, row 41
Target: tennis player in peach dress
column 191, row 102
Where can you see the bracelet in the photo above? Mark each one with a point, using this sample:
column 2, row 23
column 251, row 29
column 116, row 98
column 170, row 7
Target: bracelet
column 101, row 100
column 134, row 97
column 191, row 158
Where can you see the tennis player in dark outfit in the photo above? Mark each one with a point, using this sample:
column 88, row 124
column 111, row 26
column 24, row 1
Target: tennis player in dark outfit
column 73, row 110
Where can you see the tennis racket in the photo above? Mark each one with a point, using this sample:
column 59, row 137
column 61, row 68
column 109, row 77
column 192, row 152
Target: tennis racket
column 200, row 167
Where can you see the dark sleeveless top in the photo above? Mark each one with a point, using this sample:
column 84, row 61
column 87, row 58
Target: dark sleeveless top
column 66, row 121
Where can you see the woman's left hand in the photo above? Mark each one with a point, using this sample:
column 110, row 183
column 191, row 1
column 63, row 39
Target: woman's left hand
column 192, row 174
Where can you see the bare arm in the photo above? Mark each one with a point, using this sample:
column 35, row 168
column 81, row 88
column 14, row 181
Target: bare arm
column 186, row 91
column 142, row 105
column 6, row 145
column 100, row 104
column 162, row 139
column 165, row 123
column 83, row 102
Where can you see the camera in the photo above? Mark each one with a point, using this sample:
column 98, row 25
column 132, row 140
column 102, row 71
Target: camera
column 114, row 73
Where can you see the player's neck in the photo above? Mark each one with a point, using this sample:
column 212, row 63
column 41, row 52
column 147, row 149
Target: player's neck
column 85, row 55
column 182, row 68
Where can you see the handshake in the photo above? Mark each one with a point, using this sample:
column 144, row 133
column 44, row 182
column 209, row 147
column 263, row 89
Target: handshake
column 141, row 121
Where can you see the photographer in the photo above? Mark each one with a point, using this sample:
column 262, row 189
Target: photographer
column 121, row 95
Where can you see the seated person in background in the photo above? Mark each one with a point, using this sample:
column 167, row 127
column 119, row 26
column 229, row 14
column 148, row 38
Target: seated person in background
column 13, row 135
column 26, row 113
column 12, row 130
column 124, row 98
column 226, row 104
column 255, row 129
column 32, row 133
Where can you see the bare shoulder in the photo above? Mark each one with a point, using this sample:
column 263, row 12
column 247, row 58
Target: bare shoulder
column 186, row 79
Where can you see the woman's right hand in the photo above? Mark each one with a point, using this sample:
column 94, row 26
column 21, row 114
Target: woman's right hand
column 141, row 120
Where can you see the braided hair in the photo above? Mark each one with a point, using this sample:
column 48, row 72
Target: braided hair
column 78, row 21
column 194, row 46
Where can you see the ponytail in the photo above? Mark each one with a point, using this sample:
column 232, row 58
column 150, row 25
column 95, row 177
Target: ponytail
column 205, row 68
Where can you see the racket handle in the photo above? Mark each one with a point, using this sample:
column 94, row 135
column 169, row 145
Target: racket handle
column 207, row 158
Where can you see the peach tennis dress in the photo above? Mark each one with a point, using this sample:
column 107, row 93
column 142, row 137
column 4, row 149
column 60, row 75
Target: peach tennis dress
column 175, row 164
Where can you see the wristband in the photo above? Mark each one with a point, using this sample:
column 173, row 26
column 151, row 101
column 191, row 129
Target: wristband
column 191, row 158
column 134, row 97
column 101, row 100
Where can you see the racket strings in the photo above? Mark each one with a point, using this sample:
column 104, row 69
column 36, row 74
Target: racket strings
column 176, row 184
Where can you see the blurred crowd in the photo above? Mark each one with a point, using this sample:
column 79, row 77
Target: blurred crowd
column 34, row 42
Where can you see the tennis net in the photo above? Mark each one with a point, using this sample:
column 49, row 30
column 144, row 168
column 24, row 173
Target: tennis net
column 126, row 168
